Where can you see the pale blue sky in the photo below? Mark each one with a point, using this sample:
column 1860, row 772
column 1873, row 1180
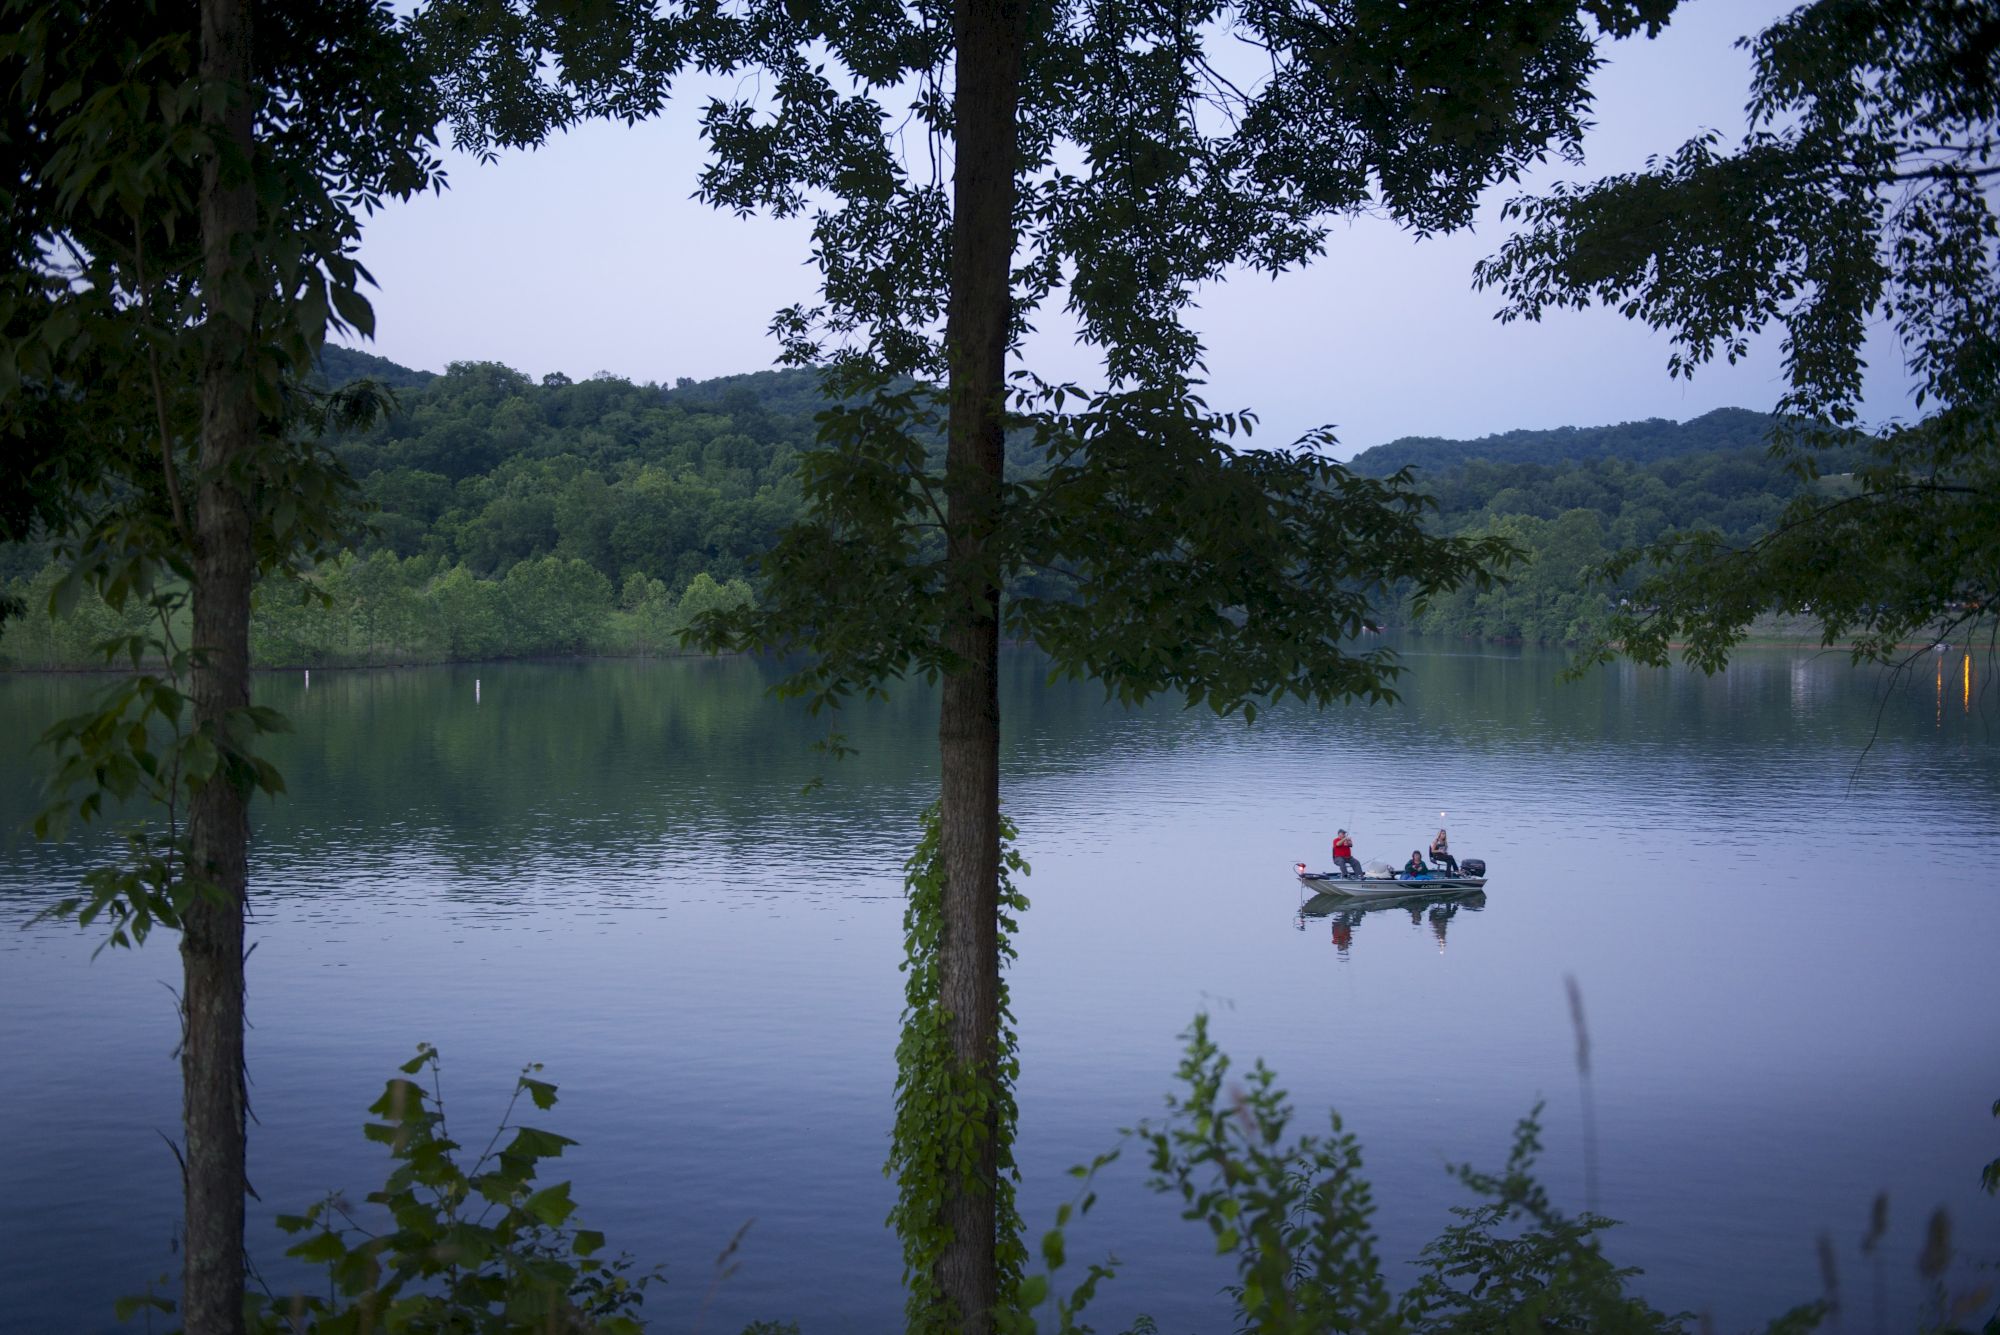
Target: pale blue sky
column 589, row 256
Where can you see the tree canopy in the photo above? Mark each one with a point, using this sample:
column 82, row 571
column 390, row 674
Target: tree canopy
column 1860, row 195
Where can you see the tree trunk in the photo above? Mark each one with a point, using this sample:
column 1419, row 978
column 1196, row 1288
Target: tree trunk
column 213, row 1104
column 989, row 37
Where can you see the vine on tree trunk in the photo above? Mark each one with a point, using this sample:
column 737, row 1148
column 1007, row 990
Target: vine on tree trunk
column 945, row 1113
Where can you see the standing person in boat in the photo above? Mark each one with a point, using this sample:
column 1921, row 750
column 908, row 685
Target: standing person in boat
column 1441, row 853
column 1343, row 854
column 1415, row 866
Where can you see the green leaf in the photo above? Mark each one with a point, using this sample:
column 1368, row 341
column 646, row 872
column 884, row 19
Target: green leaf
column 531, row 1145
column 551, row 1205
column 130, row 1305
column 353, row 308
column 402, row 1100
column 319, row 1249
column 500, row 1186
column 1053, row 1249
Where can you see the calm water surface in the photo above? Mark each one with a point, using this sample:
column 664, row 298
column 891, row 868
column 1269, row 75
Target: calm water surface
column 1776, row 890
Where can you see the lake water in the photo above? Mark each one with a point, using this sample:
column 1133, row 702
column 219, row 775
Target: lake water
column 1776, row 889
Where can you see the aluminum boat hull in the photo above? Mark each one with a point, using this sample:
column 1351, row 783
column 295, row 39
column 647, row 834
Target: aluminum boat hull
column 1389, row 887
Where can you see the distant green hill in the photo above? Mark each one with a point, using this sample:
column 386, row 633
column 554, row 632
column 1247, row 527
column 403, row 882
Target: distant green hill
column 785, row 393
column 510, row 516
column 1635, row 442
column 339, row 365
column 790, row 393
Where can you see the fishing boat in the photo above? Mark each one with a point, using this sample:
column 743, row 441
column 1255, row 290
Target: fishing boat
column 1378, row 880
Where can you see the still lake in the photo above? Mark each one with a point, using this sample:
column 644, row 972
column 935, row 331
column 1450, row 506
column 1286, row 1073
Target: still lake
column 1778, row 891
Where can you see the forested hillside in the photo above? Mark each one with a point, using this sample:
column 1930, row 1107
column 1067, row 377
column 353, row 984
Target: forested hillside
column 1725, row 429
column 1568, row 514
column 509, row 517
column 485, row 469
column 340, row 366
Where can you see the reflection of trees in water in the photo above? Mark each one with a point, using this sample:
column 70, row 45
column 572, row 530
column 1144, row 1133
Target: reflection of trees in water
column 578, row 756
column 1344, row 914
column 1782, row 697
column 403, row 768
column 1814, row 719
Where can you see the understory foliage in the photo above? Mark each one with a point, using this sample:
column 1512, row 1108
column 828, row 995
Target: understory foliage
column 944, row 1108
column 1515, row 1262
column 446, row 1248
column 482, row 1249
column 1293, row 1214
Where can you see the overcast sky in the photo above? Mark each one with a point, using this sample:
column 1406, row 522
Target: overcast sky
column 589, row 256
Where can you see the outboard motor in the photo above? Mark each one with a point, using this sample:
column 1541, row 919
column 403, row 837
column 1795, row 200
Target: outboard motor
column 1473, row 866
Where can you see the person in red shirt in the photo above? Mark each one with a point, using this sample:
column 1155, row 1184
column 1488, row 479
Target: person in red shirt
column 1343, row 854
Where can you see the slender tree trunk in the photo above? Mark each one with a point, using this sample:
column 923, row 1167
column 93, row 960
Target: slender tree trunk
column 213, row 1104
column 989, row 37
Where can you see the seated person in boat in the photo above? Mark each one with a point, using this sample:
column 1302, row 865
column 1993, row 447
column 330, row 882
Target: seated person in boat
column 1415, row 866
column 1344, row 860
column 1441, row 853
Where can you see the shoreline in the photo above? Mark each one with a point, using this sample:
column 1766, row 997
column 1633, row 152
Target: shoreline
column 1767, row 642
column 88, row 670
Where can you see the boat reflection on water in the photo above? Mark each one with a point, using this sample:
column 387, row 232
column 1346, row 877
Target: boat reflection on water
column 1432, row 911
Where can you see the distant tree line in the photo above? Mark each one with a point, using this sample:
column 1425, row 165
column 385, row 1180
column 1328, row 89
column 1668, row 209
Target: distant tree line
column 486, row 469
column 510, row 518
column 380, row 608
column 1644, row 442
column 1570, row 498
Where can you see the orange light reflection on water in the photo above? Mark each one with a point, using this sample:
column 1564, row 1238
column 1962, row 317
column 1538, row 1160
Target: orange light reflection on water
column 1965, row 686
